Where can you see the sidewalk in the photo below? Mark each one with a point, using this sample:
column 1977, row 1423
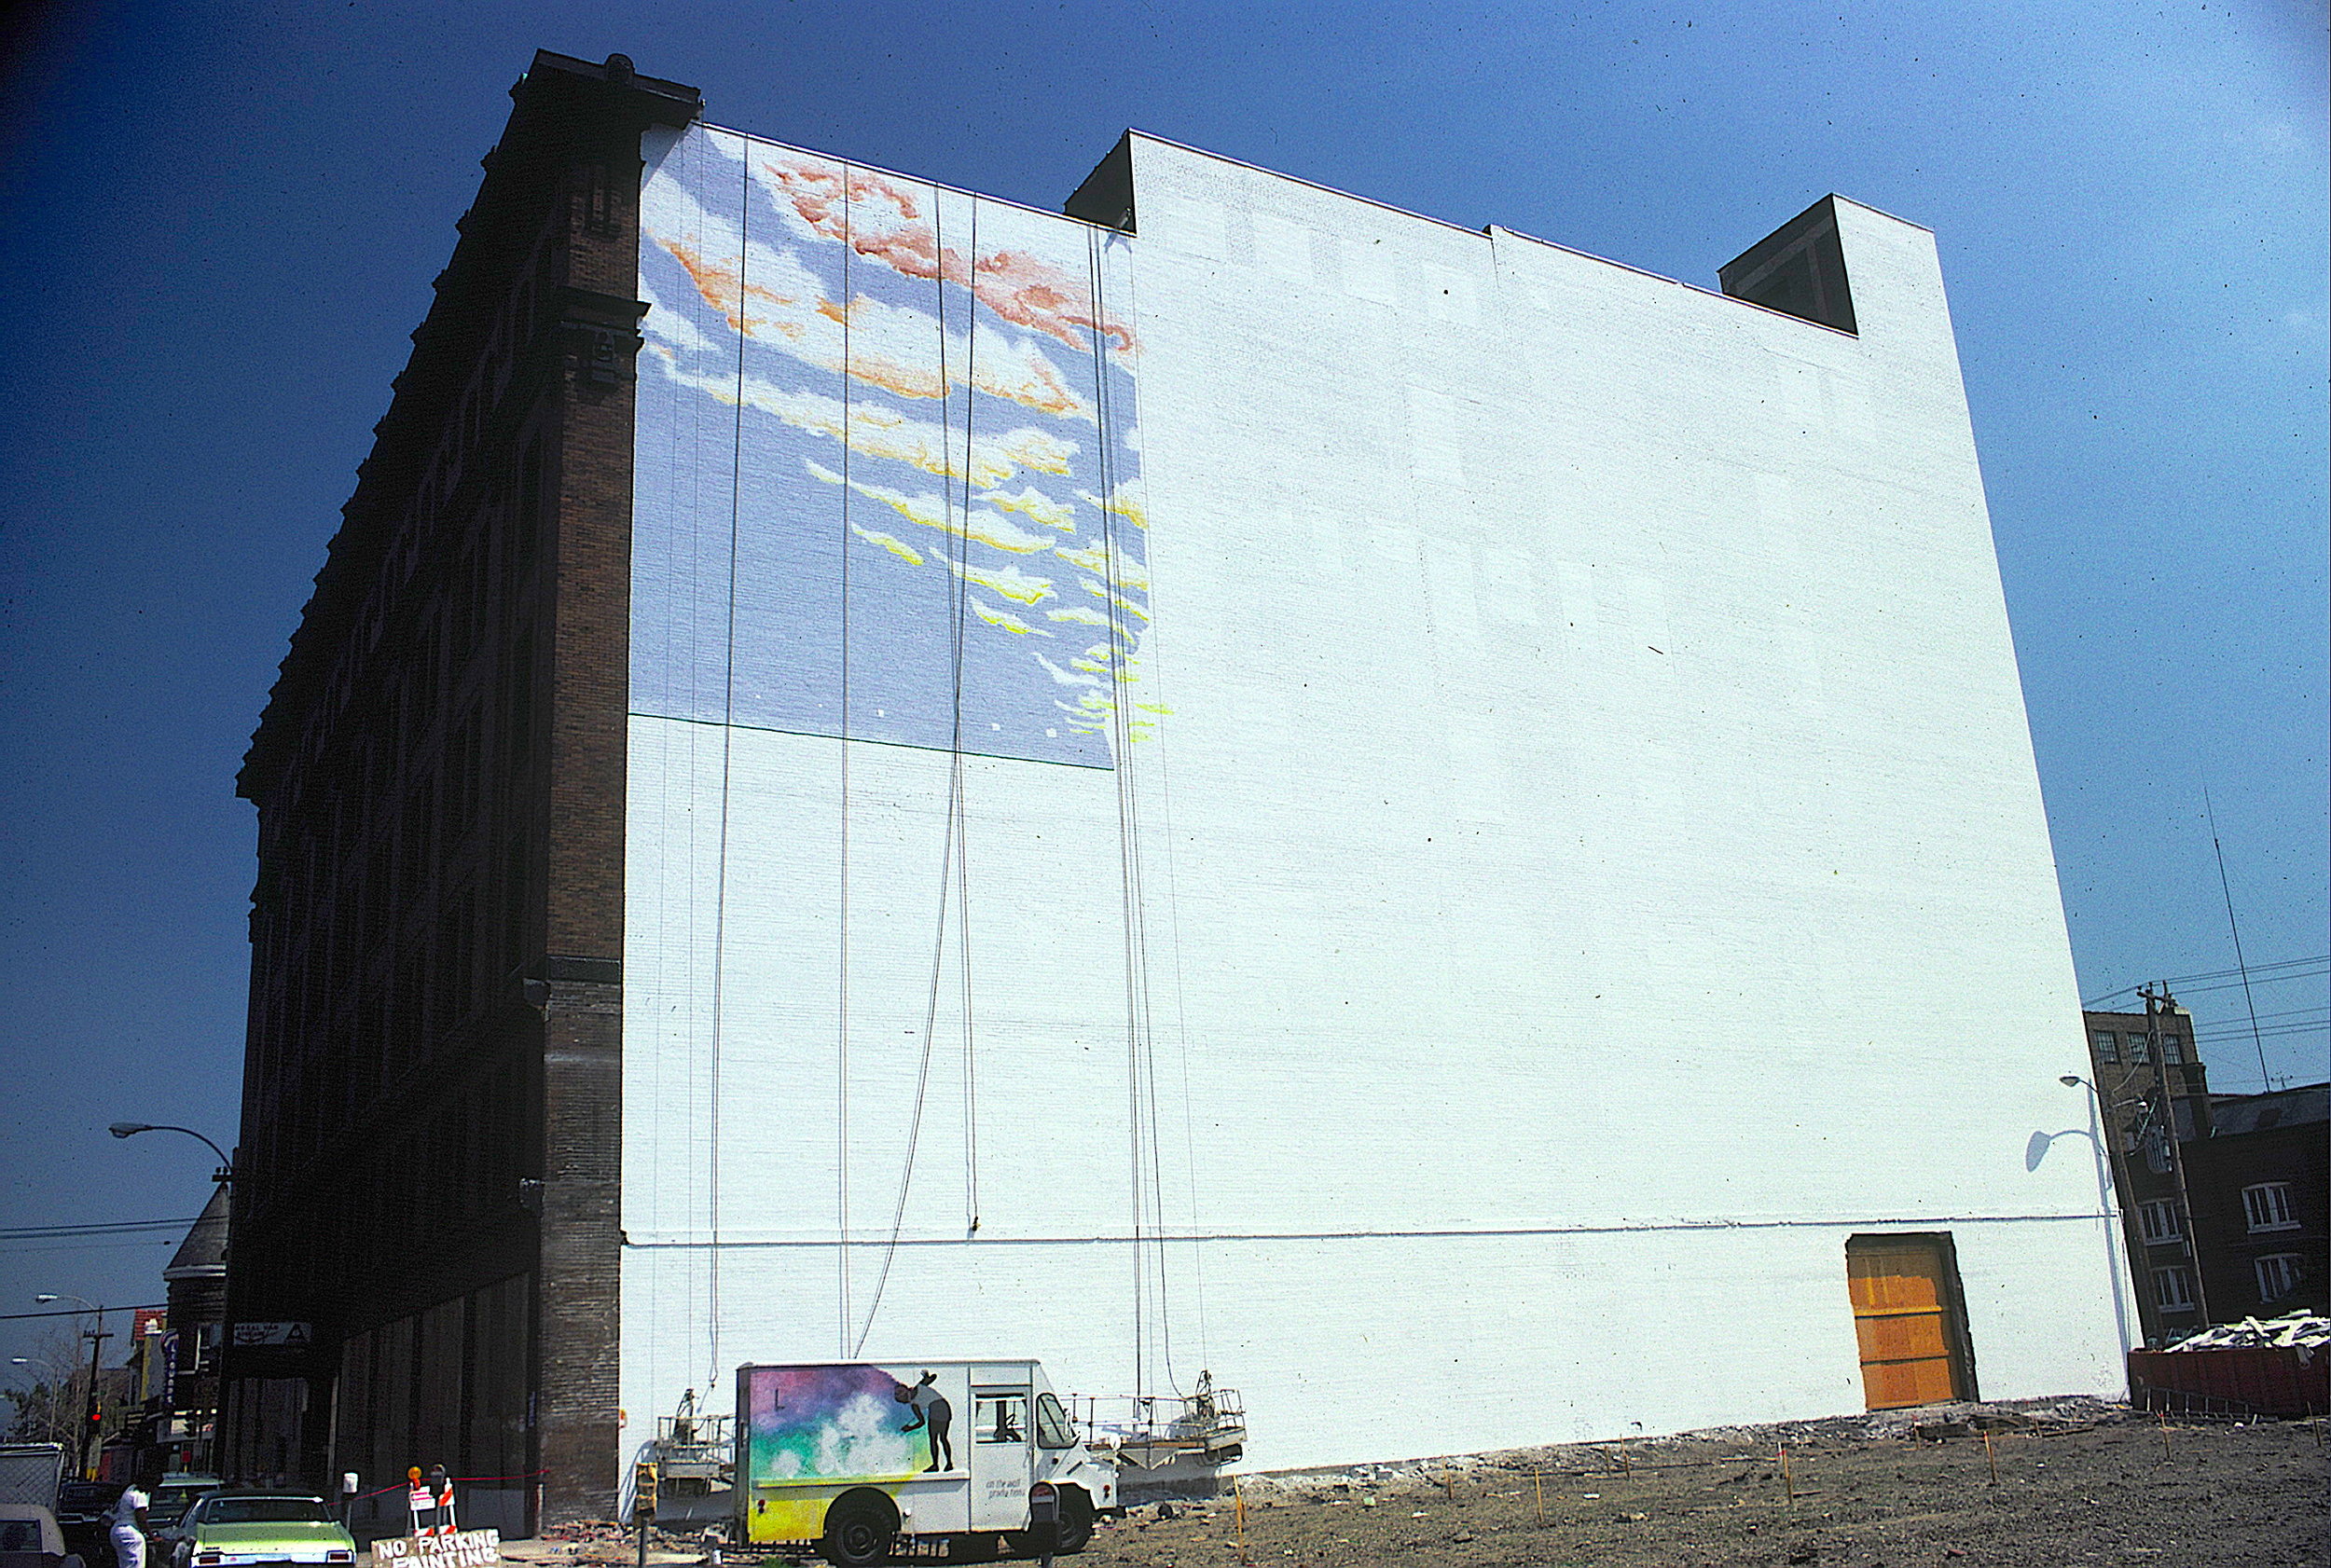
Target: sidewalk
column 538, row 1551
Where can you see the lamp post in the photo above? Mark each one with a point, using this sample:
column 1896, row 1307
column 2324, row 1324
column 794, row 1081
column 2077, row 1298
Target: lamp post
column 91, row 1412
column 223, row 1175
column 2108, row 1184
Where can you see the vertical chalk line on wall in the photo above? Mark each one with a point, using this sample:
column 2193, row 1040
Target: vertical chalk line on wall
column 1141, row 1087
column 841, row 1039
column 1164, row 752
column 1120, row 768
column 952, row 878
column 958, row 803
column 728, row 722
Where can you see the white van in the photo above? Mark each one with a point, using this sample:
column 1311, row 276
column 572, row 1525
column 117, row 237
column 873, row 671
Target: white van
column 863, row 1461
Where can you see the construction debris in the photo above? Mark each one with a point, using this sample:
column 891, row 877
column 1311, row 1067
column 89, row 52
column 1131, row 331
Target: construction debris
column 2299, row 1329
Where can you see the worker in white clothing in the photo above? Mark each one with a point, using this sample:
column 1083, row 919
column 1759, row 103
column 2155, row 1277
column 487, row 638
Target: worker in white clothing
column 128, row 1528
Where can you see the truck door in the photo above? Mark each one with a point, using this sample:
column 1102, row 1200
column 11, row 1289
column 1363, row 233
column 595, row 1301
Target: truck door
column 1003, row 1460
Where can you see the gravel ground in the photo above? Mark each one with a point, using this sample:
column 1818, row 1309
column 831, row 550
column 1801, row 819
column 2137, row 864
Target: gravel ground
column 2078, row 1482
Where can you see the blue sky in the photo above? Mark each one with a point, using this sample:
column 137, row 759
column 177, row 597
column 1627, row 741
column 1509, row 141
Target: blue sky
column 223, row 220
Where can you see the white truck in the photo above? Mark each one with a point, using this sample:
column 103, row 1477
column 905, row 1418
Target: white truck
column 32, row 1472
column 961, row 1459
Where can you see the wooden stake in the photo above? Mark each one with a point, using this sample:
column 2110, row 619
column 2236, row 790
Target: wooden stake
column 1448, row 1484
column 1789, row 1479
column 1993, row 1455
column 1239, row 1502
column 1539, row 1477
column 1626, row 1465
column 2164, row 1415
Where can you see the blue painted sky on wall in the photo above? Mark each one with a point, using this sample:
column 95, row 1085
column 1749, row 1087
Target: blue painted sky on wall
column 887, row 484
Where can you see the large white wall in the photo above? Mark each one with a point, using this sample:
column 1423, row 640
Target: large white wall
column 1591, row 861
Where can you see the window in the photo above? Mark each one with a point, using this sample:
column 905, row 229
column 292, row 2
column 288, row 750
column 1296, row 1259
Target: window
column 2172, row 1049
column 1053, row 1430
column 2269, row 1206
column 1002, row 1416
column 2173, row 1288
column 2138, row 1050
column 2107, row 1045
column 2158, row 1221
column 2279, row 1276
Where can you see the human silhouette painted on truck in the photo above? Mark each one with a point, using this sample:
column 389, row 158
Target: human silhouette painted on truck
column 932, row 1411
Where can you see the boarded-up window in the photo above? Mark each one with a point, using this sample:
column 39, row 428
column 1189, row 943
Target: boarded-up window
column 1909, row 1320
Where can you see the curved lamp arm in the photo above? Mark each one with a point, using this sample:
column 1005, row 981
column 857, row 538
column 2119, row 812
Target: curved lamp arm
column 131, row 1129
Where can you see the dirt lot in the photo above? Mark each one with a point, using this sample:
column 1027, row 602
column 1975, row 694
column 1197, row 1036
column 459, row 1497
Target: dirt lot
column 2075, row 1485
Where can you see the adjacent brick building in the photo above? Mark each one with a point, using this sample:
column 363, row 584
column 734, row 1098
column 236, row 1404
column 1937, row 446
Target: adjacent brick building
column 426, row 1179
column 2258, row 1183
column 2139, row 1062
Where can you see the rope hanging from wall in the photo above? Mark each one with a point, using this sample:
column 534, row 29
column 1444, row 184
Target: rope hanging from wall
column 954, row 861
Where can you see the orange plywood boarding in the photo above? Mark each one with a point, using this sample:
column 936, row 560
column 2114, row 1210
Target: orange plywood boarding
column 1902, row 1298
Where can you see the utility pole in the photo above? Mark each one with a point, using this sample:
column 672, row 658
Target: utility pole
column 94, row 1414
column 2155, row 1005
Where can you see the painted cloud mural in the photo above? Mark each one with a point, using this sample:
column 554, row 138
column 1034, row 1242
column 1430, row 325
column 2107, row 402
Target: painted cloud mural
column 887, row 475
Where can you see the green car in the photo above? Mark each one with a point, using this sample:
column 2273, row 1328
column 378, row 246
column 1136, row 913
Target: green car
column 231, row 1529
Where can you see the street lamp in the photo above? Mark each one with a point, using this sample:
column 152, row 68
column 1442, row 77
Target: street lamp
column 91, row 1412
column 225, row 1172
column 224, row 1177
column 2108, row 1183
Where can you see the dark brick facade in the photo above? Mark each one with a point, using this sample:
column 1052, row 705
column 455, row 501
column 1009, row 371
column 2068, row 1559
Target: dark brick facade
column 2254, row 1239
column 432, row 1112
column 2133, row 1080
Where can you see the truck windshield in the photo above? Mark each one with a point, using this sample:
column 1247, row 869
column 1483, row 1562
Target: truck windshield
column 1053, row 1430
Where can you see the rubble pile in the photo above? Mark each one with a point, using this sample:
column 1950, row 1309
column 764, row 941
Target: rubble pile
column 606, row 1541
column 2299, row 1329
column 1426, row 1478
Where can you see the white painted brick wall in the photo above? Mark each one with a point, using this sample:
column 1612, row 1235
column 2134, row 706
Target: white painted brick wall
column 1595, row 864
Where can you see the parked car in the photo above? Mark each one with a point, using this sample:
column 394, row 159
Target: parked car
column 82, row 1513
column 168, row 1501
column 229, row 1529
column 29, row 1538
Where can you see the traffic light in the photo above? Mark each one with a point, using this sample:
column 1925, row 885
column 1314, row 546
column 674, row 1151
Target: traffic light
column 642, row 1493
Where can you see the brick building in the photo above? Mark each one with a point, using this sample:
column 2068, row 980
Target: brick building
column 426, row 1175
column 2138, row 1063
column 876, row 772
column 181, row 1381
column 2258, row 1184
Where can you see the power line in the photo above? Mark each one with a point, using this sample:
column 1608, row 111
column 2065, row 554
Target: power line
column 2260, row 974
column 2256, row 980
column 115, row 1228
column 2318, row 1009
column 2254, row 968
column 2292, row 1023
column 2275, row 1031
column 82, row 1311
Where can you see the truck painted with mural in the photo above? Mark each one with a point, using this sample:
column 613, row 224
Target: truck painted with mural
column 863, row 1461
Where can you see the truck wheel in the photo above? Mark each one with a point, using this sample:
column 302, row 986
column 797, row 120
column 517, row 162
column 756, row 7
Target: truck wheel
column 858, row 1528
column 1076, row 1519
